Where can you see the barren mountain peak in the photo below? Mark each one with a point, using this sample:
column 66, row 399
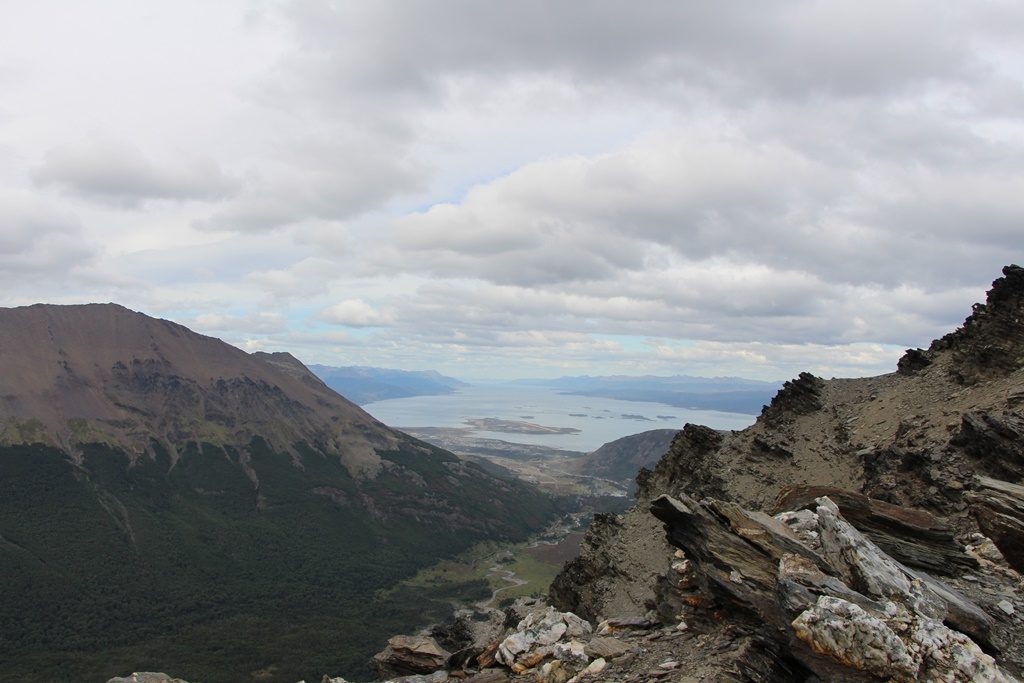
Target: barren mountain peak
column 101, row 372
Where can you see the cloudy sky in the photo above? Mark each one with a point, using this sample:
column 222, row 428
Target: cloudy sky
column 526, row 188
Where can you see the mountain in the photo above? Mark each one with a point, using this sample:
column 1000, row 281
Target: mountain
column 861, row 530
column 365, row 384
column 727, row 394
column 168, row 501
column 621, row 459
column 902, row 490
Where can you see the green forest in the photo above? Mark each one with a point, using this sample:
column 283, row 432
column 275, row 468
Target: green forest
column 111, row 566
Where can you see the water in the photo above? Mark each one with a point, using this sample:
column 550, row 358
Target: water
column 599, row 420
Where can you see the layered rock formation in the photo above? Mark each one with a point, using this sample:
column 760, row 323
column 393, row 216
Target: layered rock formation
column 925, row 463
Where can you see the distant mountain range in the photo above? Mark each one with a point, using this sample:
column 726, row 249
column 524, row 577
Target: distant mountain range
column 727, row 394
column 169, row 501
column 364, row 385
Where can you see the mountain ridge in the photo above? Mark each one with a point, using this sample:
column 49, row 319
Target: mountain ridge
column 365, row 384
column 104, row 372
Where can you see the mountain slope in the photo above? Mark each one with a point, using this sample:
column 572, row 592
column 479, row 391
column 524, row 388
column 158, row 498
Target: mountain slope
column 365, row 385
column 170, row 502
column 944, row 434
column 621, row 459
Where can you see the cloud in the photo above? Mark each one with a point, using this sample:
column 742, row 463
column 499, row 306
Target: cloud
column 761, row 360
column 37, row 241
column 797, row 49
column 317, row 179
column 355, row 313
column 118, row 173
column 305, row 278
column 526, row 185
column 254, row 322
column 693, row 195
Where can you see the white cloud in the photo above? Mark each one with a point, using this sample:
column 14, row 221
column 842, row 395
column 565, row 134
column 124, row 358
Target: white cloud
column 355, row 313
column 116, row 172
column 256, row 322
column 39, row 242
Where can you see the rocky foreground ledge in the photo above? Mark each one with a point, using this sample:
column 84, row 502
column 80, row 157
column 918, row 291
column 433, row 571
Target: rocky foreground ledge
column 803, row 595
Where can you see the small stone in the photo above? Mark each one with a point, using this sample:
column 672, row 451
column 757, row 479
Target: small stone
column 682, row 626
column 1006, row 606
column 573, row 652
column 736, row 577
column 595, row 667
column 608, row 648
column 670, row 664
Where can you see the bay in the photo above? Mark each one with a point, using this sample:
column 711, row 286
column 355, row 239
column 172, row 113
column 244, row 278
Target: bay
column 599, row 420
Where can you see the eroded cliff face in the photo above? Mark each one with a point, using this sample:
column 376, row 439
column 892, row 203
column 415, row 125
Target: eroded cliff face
column 944, row 434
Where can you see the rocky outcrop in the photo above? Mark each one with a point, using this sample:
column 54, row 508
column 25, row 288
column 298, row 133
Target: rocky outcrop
column 612, row 574
column 844, row 609
column 146, row 677
column 541, row 635
column 406, row 655
column 991, row 341
column 998, row 507
column 923, row 462
column 996, row 441
column 800, row 396
column 913, row 362
column 916, row 538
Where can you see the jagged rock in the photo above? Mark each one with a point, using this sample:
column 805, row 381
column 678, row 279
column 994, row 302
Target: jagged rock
column 924, row 650
column 453, row 634
column 913, row 362
column 800, row 396
column 536, row 634
column 865, row 612
column 991, row 340
column 680, row 468
column 410, row 655
column 146, row 677
column 466, row 634
column 898, row 437
column 335, row 679
column 914, row 537
column 999, row 508
column 996, row 440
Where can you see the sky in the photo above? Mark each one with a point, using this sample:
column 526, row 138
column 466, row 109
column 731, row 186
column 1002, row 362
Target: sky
column 519, row 189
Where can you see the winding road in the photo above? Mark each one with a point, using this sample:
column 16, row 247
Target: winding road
column 504, row 575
